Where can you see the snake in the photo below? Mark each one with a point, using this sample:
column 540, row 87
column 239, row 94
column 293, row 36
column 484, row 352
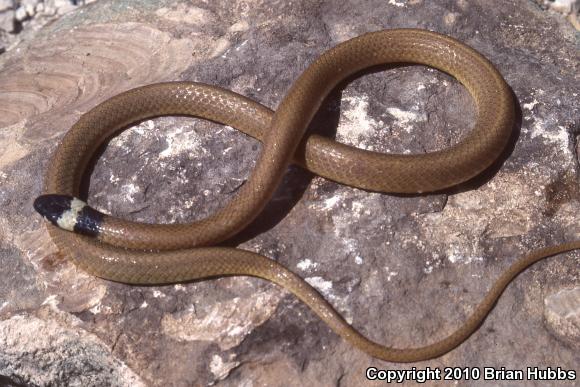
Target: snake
column 139, row 253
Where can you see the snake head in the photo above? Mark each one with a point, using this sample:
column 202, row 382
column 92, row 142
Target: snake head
column 69, row 213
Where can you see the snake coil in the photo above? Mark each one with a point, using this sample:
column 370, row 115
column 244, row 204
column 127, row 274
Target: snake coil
column 138, row 253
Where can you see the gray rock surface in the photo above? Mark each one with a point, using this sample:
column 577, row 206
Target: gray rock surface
column 404, row 270
column 569, row 8
column 21, row 19
column 563, row 6
column 7, row 17
column 55, row 355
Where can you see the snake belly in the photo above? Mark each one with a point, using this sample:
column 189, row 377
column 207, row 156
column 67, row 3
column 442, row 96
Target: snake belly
column 139, row 253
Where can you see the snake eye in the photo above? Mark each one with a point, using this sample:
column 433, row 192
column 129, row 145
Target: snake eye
column 69, row 213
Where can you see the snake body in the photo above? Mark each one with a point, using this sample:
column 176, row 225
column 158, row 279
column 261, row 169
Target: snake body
column 138, row 253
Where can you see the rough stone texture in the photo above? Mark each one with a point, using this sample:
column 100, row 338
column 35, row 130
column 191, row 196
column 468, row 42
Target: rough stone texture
column 562, row 312
column 58, row 356
column 568, row 8
column 21, row 19
column 563, row 6
column 405, row 270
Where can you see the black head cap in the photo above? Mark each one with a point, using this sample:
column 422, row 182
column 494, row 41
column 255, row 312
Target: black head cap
column 51, row 207
column 69, row 213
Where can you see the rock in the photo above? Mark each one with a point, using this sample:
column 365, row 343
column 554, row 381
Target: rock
column 62, row 6
column 66, row 8
column 21, row 18
column 29, row 6
column 6, row 4
column 568, row 8
column 55, row 355
column 562, row 311
column 7, row 20
column 30, row 10
column 406, row 270
column 563, row 6
column 21, row 14
column 49, row 9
